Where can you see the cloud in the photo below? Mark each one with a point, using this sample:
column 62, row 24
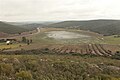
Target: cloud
column 43, row 10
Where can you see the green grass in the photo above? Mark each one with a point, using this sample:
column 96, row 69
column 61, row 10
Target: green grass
column 11, row 46
column 41, row 38
column 111, row 40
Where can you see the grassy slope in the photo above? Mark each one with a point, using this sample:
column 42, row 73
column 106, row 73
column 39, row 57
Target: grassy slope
column 11, row 29
column 106, row 27
column 62, row 67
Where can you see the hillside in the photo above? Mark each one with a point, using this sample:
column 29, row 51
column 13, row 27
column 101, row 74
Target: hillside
column 46, row 66
column 11, row 29
column 106, row 27
column 31, row 26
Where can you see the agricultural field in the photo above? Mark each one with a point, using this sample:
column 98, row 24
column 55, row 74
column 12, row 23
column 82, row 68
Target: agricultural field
column 112, row 40
column 64, row 36
column 92, row 49
column 60, row 54
column 70, row 41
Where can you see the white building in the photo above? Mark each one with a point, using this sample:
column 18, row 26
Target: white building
column 8, row 42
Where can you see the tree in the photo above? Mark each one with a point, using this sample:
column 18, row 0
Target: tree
column 24, row 39
column 28, row 42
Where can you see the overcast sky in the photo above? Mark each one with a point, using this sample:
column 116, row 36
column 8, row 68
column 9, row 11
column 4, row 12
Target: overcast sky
column 56, row 10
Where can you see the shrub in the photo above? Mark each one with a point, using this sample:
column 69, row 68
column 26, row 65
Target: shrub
column 117, row 55
column 23, row 75
column 6, row 69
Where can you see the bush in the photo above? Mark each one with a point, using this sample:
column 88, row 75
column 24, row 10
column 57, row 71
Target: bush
column 6, row 69
column 117, row 55
column 23, row 75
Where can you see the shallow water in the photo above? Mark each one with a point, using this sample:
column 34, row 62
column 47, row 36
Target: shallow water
column 65, row 35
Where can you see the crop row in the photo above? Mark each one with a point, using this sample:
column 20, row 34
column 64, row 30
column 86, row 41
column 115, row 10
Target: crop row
column 95, row 49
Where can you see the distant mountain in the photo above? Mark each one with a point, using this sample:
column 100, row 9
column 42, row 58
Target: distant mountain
column 105, row 27
column 33, row 22
column 27, row 25
column 31, row 26
column 11, row 29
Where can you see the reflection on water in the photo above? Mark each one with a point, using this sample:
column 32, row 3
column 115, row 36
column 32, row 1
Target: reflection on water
column 65, row 35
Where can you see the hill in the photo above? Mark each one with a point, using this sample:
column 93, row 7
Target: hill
column 31, row 26
column 11, row 29
column 105, row 27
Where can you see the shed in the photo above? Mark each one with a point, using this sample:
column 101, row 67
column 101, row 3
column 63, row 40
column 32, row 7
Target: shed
column 8, row 42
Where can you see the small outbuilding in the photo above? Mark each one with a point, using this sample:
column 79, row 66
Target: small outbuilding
column 8, row 42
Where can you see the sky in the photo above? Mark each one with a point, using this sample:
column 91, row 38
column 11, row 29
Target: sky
column 58, row 10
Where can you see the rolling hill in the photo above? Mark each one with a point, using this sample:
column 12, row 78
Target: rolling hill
column 105, row 27
column 11, row 29
column 31, row 26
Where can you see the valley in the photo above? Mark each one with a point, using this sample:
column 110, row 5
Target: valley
column 70, row 52
column 59, row 40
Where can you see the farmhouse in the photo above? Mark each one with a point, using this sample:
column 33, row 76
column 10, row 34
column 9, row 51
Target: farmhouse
column 8, row 42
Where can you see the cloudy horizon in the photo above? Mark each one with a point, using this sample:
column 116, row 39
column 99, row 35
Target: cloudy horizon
column 57, row 10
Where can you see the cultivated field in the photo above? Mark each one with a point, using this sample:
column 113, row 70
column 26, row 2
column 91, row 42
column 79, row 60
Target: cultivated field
column 68, row 41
